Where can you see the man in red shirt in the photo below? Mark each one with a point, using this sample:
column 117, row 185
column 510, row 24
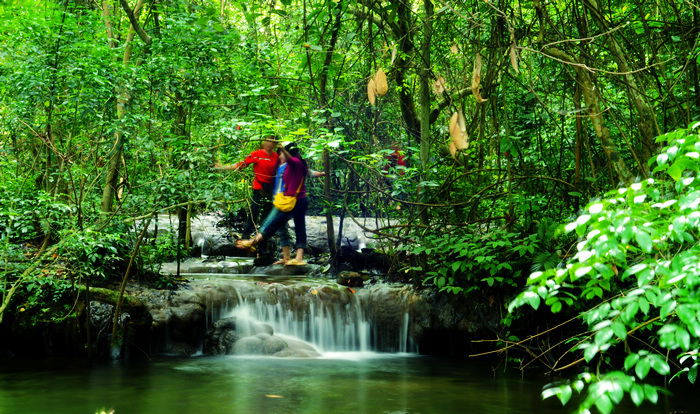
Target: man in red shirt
column 395, row 159
column 264, row 162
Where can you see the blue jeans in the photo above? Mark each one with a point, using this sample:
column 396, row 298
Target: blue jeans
column 282, row 232
column 276, row 220
column 261, row 203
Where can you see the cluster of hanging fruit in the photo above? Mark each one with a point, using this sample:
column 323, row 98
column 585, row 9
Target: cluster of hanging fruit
column 377, row 86
column 458, row 132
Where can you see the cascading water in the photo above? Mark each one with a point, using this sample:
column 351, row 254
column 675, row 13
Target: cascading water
column 329, row 317
column 328, row 328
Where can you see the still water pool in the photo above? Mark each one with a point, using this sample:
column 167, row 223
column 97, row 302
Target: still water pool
column 336, row 383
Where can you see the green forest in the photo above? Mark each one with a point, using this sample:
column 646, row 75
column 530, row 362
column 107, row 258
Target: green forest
column 552, row 153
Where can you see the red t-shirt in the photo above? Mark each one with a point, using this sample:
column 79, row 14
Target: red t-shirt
column 396, row 159
column 264, row 167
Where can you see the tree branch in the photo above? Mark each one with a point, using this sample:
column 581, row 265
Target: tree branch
column 139, row 30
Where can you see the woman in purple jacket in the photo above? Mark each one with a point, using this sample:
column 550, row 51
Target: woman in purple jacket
column 294, row 183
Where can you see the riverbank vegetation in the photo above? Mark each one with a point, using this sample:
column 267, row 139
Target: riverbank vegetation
column 514, row 119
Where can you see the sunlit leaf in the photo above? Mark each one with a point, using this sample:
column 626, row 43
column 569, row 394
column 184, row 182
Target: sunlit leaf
column 644, row 240
column 637, row 394
column 630, row 361
column 603, row 404
column 642, row 368
column 620, row 330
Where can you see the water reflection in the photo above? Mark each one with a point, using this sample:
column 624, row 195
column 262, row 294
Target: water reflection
column 337, row 383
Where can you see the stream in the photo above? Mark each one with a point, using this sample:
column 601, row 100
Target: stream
column 344, row 382
column 350, row 376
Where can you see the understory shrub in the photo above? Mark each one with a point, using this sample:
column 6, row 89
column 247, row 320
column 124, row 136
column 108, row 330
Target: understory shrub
column 638, row 263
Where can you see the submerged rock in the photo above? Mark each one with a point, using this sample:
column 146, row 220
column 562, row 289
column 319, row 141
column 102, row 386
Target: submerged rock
column 229, row 337
column 251, row 345
column 350, row 279
column 298, row 349
column 274, row 344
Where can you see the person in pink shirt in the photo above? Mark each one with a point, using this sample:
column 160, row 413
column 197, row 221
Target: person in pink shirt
column 264, row 161
column 294, row 177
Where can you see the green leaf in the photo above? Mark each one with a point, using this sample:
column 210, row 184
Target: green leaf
column 563, row 392
column 651, row 393
column 683, row 339
column 603, row 404
column 675, row 172
column 659, row 365
column 533, row 300
column 630, row 312
column 590, row 352
column 642, row 368
column 634, row 269
column 620, row 330
column 565, row 395
column 644, row 240
column 440, row 282
column 686, row 314
column 667, row 308
column 582, row 270
column 630, row 361
column 694, row 328
column 643, row 305
column 603, row 336
column 637, row 394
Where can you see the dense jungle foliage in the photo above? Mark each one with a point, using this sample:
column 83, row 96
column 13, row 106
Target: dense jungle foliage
column 514, row 118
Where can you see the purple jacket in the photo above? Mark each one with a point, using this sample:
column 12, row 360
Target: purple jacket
column 295, row 172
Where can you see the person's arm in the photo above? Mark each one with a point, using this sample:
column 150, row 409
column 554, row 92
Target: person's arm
column 294, row 163
column 237, row 166
column 284, row 151
column 314, row 174
column 229, row 167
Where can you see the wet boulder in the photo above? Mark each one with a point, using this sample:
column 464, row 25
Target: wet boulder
column 350, row 279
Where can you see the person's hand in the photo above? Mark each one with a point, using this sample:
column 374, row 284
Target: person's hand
column 218, row 166
column 319, row 173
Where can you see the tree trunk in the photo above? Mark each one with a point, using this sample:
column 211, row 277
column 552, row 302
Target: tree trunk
column 645, row 114
column 180, row 130
column 425, row 96
column 595, row 114
column 110, row 188
column 111, row 182
column 323, row 103
column 403, row 34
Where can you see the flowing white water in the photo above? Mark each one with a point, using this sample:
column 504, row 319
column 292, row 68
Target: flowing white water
column 329, row 326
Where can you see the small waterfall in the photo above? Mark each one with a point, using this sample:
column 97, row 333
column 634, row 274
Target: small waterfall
column 331, row 318
column 403, row 335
